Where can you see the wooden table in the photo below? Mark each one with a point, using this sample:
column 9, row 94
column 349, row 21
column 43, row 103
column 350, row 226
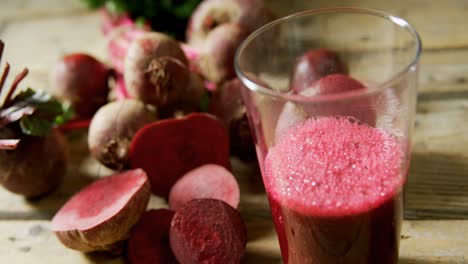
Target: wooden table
column 38, row 32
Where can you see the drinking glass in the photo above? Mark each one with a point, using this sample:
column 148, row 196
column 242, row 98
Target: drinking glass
column 333, row 147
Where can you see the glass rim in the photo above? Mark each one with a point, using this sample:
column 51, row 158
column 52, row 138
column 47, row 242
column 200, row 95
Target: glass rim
column 373, row 88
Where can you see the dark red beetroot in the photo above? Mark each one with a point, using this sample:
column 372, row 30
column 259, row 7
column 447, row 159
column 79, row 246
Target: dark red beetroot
column 216, row 62
column 169, row 148
column 360, row 108
column 227, row 104
column 208, row 231
column 149, row 239
column 36, row 166
column 112, row 129
column 145, row 75
column 208, row 181
column 250, row 14
column 100, row 216
column 82, row 81
column 314, row 65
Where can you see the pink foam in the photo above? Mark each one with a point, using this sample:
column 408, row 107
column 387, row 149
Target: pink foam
column 333, row 166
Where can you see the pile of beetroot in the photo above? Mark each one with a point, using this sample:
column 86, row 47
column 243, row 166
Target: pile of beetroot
column 166, row 117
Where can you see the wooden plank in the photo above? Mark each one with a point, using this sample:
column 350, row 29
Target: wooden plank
column 438, row 179
column 423, row 242
column 441, row 24
column 36, row 9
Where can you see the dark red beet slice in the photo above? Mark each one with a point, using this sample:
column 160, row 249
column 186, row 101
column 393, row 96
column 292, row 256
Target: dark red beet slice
column 149, row 239
column 169, row 148
column 208, row 231
column 100, row 216
column 313, row 65
column 207, row 181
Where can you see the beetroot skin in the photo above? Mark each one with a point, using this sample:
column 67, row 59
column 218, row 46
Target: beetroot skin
column 149, row 239
column 313, row 65
column 140, row 67
column 100, row 216
column 36, row 166
column 208, row 231
column 82, row 81
column 360, row 109
column 168, row 149
column 228, row 105
column 217, row 60
column 250, row 14
column 208, row 181
column 112, row 129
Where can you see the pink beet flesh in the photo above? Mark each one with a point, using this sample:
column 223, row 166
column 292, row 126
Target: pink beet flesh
column 169, row 148
column 333, row 166
column 99, row 202
column 208, row 231
column 207, row 181
column 149, row 239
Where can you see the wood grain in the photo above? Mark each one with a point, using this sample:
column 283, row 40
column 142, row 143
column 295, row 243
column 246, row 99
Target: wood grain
column 431, row 242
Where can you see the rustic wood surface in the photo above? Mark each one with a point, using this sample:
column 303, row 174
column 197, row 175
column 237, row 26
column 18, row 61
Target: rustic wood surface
column 38, row 32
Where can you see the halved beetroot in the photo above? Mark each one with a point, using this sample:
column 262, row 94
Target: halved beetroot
column 167, row 149
column 207, row 181
column 208, row 231
column 149, row 239
column 101, row 215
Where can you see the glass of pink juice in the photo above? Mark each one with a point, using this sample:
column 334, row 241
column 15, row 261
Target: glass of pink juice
column 331, row 95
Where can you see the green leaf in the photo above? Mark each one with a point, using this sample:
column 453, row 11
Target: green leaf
column 33, row 126
column 67, row 114
column 94, row 4
column 48, row 111
column 205, row 102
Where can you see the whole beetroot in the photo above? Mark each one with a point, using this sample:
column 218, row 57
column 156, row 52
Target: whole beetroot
column 227, row 104
column 313, row 65
column 112, row 129
column 359, row 108
column 82, row 81
column 249, row 14
column 216, row 61
column 36, row 166
column 149, row 78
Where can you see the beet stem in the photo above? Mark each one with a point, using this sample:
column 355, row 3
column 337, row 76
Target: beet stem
column 13, row 87
column 9, row 144
column 2, row 46
column 4, row 76
column 74, row 125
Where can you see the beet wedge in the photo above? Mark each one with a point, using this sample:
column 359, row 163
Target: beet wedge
column 168, row 149
column 149, row 239
column 99, row 217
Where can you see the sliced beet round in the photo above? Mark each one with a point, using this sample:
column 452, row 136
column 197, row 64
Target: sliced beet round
column 101, row 215
column 167, row 149
column 149, row 239
column 208, row 181
column 208, row 231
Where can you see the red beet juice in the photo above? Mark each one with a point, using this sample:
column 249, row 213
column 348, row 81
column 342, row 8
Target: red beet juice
column 335, row 188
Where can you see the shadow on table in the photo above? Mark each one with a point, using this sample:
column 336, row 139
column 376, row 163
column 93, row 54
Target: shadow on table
column 407, row 260
column 81, row 171
column 437, row 187
column 260, row 258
